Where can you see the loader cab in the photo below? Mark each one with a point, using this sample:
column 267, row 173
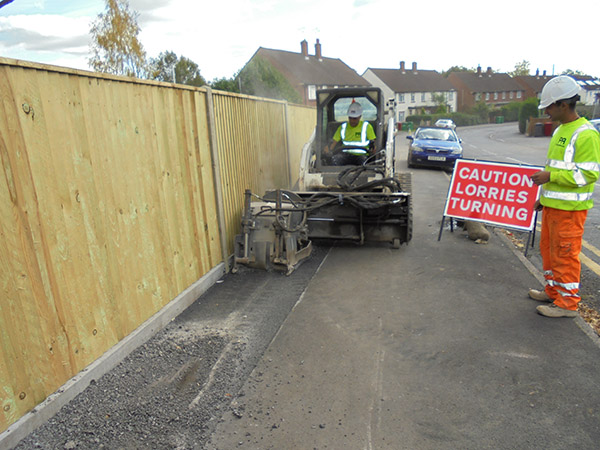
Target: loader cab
column 332, row 109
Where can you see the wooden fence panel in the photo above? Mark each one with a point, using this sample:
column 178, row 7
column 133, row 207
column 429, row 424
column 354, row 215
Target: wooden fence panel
column 251, row 138
column 108, row 208
column 108, row 212
column 301, row 122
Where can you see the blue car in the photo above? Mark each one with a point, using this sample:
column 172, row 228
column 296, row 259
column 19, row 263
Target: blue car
column 435, row 147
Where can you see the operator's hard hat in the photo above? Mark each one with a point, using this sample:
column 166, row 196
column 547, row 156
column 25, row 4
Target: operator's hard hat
column 558, row 88
column 354, row 110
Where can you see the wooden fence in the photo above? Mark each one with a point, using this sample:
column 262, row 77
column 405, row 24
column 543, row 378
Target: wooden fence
column 116, row 194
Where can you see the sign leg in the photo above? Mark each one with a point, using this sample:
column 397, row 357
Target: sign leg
column 442, row 228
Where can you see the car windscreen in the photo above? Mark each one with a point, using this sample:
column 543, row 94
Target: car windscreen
column 436, row 134
column 341, row 108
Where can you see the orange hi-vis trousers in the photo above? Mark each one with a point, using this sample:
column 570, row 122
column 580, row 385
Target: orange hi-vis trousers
column 560, row 244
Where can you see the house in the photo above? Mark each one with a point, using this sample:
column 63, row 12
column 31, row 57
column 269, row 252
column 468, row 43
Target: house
column 590, row 89
column 413, row 91
column 307, row 73
column 533, row 84
column 495, row 89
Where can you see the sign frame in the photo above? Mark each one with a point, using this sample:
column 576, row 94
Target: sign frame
column 519, row 174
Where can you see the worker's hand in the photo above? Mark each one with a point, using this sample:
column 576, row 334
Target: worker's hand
column 537, row 206
column 541, row 177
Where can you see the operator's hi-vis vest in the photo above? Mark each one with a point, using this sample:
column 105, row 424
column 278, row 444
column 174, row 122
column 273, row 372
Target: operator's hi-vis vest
column 363, row 135
column 574, row 166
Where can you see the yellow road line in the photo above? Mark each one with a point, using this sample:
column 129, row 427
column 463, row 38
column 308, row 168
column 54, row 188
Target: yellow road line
column 594, row 267
column 589, row 264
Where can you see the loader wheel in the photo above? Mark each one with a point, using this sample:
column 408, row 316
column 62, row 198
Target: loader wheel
column 405, row 180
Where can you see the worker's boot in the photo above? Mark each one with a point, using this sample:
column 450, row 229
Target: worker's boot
column 553, row 310
column 540, row 296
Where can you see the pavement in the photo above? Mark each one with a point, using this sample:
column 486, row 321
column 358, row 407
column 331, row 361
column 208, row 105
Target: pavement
column 434, row 346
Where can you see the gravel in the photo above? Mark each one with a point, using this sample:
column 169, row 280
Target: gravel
column 171, row 392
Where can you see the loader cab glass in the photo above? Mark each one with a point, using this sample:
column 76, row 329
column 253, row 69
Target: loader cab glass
column 334, row 112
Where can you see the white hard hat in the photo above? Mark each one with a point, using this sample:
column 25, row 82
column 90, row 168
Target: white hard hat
column 558, row 88
column 355, row 110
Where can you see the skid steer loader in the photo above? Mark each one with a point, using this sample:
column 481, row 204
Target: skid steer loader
column 360, row 202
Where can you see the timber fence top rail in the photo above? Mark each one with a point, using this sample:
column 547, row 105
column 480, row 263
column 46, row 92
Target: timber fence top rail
column 125, row 79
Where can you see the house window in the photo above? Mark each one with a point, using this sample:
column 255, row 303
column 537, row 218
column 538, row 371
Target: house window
column 400, row 98
column 504, row 95
column 478, row 97
column 312, row 92
column 495, row 96
column 412, row 97
column 487, row 96
column 423, row 97
column 512, row 95
column 450, row 96
column 518, row 94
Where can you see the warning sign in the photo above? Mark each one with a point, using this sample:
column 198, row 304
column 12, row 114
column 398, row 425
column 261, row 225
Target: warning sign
column 496, row 193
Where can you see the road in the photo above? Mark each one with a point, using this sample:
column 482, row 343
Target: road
column 503, row 143
column 432, row 346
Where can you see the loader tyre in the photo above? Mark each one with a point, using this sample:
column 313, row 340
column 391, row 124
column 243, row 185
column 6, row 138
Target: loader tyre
column 405, row 180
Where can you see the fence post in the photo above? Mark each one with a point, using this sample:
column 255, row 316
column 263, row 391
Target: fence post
column 286, row 118
column 210, row 110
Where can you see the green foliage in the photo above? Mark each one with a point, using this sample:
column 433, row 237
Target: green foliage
column 529, row 108
column 168, row 67
column 225, row 84
column 440, row 101
column 115, row 47
column 521, row 69
column 260, row 78
column 574, row 72
column 481, row 110
column 457, row 69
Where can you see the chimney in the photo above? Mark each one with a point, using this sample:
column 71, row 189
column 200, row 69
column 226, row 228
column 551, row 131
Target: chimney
column 318, row 50
column 402, row 69
column 479, row 70
column 414, row 67
column 304, row 48
column 489, row 71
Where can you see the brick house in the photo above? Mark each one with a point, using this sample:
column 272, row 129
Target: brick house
column 533, row 84
column 413, row 90
column 307, row 73
column 495, row 89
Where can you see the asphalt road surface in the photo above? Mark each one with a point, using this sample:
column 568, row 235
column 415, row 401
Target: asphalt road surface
column 432, row 346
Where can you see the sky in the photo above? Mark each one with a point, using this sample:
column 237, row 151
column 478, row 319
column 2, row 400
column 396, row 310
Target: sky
column 221, row 36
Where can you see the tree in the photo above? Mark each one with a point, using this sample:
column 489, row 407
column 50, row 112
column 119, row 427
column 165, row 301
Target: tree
column 168, row 67
column 440, row 101
column 521, row 69
column 115, row 46
column 529, row 108
column 260, row 78
column 575, row 72
column 457, row 69
column 226, row 84
column 481, row 110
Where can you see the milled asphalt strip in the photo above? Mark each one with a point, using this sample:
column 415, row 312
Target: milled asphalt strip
column 582, row 324
column 109, row 360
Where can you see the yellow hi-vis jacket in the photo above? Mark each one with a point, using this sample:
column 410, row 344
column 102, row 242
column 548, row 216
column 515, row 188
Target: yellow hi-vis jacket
column 574, row 166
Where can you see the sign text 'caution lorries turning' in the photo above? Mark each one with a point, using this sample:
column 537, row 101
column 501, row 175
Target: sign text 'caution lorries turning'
column 496, row 193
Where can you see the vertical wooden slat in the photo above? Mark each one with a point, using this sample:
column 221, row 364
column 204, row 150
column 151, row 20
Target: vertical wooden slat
column 108, row 209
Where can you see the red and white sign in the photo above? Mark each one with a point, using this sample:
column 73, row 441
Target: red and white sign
column 496, row 193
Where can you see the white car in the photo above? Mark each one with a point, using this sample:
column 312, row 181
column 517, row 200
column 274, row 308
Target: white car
column 445, row 123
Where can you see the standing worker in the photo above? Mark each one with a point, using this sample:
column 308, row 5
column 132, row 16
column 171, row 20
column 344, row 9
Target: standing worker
column 572, row 168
